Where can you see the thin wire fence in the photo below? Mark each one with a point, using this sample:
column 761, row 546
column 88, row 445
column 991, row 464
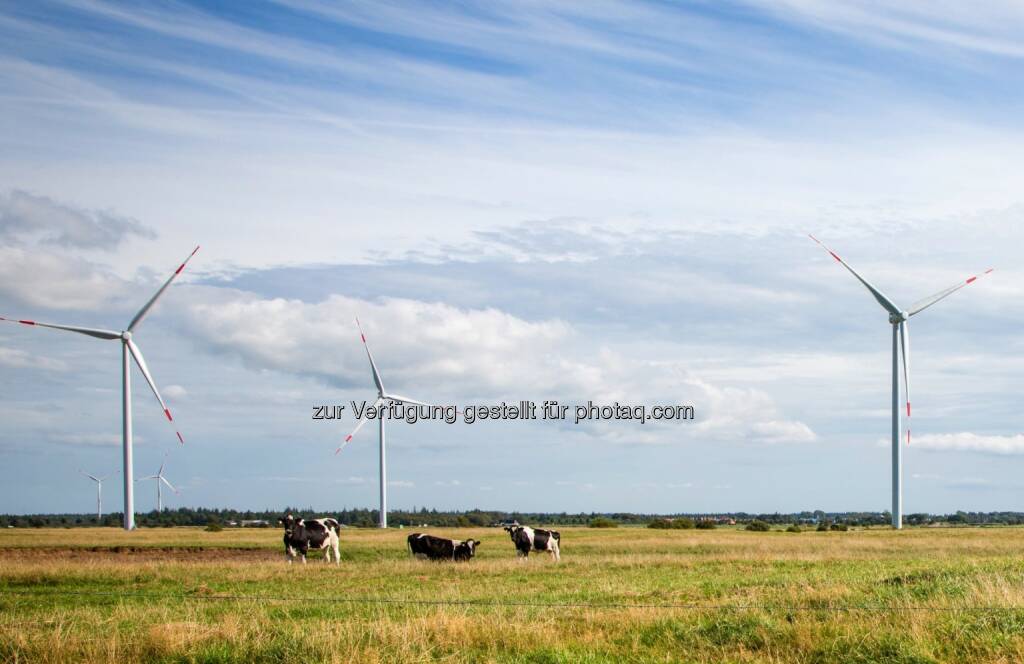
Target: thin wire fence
column 487, row 603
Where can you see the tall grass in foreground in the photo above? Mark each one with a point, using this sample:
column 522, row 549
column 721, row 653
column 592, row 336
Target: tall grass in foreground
column 619, row 595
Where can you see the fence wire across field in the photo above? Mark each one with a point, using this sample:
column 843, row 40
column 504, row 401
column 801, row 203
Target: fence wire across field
column 486, row 603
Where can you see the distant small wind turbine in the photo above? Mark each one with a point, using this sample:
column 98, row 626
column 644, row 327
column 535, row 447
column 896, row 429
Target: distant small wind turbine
column 99, row 491
column 128, row 347
column 382, row 396
column 899, row 319
column 160, row 479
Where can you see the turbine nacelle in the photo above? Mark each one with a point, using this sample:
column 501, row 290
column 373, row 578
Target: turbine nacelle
column 896, row 319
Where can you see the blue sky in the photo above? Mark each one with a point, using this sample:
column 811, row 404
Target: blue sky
column 531, row 201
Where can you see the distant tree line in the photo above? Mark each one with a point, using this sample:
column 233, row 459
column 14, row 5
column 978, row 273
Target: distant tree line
column 357, row 518
column 367, row 518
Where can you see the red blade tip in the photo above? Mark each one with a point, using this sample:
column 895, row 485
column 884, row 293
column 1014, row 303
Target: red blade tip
column 167, row 412
column 180, row 439
column 182, row 266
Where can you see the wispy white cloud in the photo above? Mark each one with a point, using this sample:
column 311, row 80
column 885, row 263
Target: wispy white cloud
column 50, row 280
column 23, row 215
column 966, row 441
column 469, row 355
column 965, row 483
column 916, row 24
column 174, row 392
column 14, row 357
column 92, row 439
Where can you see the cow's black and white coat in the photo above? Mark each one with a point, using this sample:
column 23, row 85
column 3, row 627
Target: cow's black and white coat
column 528, row 539
column 301, row 535
column 439, row 548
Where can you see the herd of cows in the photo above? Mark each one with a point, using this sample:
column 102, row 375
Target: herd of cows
column 301, row 535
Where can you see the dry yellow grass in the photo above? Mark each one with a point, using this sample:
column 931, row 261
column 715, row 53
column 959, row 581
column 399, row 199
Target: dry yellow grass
column 619, row 595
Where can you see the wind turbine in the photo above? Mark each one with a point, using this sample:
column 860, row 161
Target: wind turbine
column 160, row 479
column 99, row 491
column 899, row 319
column 128, row 347
column 382, row 396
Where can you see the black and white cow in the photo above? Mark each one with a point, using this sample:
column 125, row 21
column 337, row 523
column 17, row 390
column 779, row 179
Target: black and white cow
column 438, row 548
column 529, row 539
column 301, row 535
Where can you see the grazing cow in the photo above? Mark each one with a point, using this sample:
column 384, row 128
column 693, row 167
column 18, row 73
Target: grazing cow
column 526, row 539
column 438, row 548
column 301, row 535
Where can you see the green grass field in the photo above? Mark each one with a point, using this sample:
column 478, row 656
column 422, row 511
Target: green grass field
column 619, row 595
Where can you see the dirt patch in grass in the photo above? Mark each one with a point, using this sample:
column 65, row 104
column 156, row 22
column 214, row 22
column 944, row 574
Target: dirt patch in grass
column 143, row 553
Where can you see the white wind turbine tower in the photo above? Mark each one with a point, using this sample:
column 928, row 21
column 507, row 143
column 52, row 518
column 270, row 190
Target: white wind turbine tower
column 160, row 480
column 382, row 396
column 99, row 491
column 899, row 319
column 128, row 347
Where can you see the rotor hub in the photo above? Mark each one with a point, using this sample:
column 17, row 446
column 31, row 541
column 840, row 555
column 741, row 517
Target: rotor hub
column 898, row 318
column 126, row 335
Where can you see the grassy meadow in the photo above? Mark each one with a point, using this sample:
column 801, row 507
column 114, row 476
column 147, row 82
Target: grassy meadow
column 619, row 595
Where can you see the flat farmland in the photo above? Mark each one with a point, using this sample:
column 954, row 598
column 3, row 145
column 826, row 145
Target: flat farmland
column 619, row 595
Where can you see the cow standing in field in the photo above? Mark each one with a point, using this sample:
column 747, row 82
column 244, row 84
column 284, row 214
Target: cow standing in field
column 439, row 548
column 301, row 535
column 529, row 539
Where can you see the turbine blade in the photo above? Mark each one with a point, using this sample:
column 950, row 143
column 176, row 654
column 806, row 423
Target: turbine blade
column 91, row 331
column 141, row 362
column 886, row 303
column 399, row 398
column 373, row 365
column 164, row 480
column 905, row 353
column 149, row 305
column 921, row 305
column 359, row 426
column 92, row 477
